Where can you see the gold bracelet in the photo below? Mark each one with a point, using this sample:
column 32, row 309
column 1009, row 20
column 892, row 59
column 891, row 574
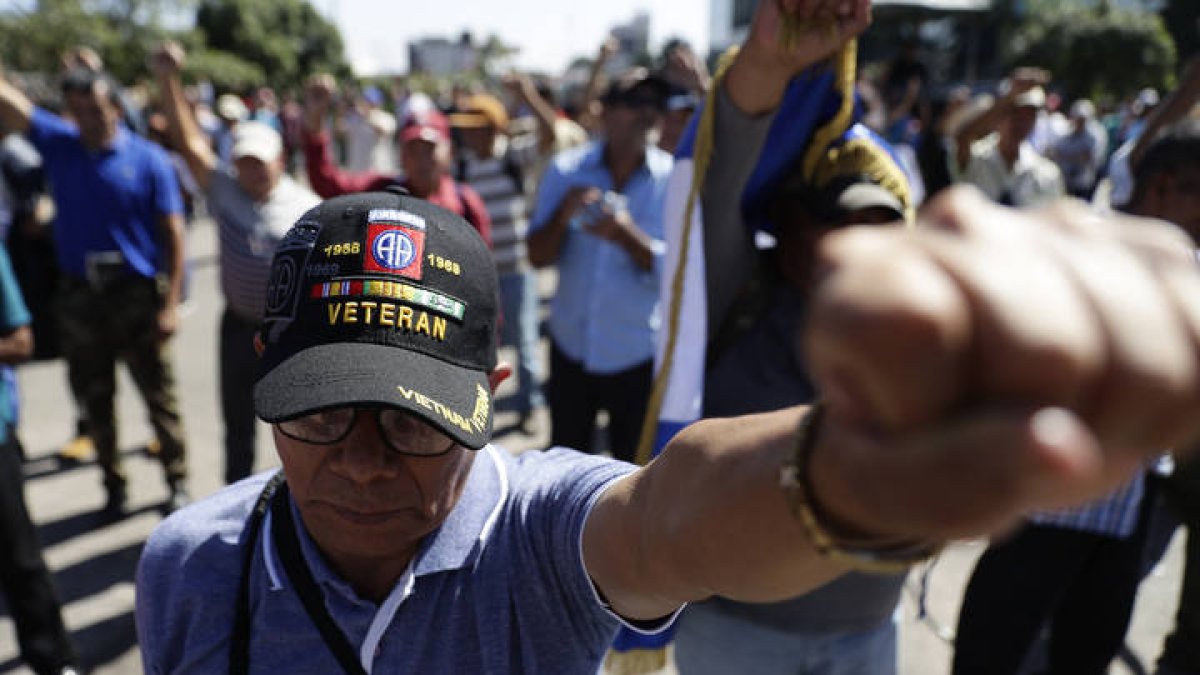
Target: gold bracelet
column 876, row 555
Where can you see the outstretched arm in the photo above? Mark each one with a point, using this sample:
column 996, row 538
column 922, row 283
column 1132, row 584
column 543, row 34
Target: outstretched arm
column 745, row 103
column 326, row 178
column 16, row 110
column 525, row 91
column 1021, row 81
column 166, row 62
column 589, row 105
column 987, row 364
column 1177, row 105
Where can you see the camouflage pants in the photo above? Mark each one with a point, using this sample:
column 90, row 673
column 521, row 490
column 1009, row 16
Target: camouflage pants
column 119, row 321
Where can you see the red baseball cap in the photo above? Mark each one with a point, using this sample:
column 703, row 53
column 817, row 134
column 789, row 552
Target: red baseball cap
column 427, row 125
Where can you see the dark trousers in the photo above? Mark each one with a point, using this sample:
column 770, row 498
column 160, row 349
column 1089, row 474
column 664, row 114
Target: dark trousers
column 23, row 575
column 98, row 328
column 1083, row 584
column 239, row 364
column 1182, row 492
column 576, row 396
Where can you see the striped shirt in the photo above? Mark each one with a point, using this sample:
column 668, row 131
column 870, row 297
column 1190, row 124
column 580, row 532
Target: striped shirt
column 1115, row 514
column 505, row 198
column 249, row 232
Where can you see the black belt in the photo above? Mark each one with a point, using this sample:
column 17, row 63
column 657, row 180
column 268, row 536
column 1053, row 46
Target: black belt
column 106, row 282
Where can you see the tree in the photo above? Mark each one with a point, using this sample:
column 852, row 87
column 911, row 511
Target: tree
column 34, row 40
column 1182, row 18
column 285, row 39
column 494, row 57
column 119, row 30
column 1094, row 49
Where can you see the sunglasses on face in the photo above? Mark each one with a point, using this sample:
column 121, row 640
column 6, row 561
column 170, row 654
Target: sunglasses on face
column 403, row 433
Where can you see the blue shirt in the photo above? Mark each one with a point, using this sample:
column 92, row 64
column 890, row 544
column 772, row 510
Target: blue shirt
column 1113, row 515
column 110, row 200
column 605, row 312
column 13, row 315
column 499, row 588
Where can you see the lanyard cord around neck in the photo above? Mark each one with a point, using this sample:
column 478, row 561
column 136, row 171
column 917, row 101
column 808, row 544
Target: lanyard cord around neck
column 275, row 497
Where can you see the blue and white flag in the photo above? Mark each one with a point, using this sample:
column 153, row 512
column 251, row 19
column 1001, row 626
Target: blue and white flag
column 818, row 107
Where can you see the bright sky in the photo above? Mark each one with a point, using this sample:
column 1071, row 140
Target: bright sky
column 550, row 33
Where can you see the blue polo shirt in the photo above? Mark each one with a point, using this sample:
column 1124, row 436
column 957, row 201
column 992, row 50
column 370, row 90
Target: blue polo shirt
column 499, row 588
column 13, row 315
column 110, row 200
column 605, row 311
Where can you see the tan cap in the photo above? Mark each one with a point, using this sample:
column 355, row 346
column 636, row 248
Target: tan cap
column 481, row 110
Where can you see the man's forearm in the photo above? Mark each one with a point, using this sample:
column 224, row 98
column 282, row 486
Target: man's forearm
column 638, row 245
column 721, row 523
column 172, row 229
column 17, row 346
column 544, row 244
column 184, row 130
column 16, row 110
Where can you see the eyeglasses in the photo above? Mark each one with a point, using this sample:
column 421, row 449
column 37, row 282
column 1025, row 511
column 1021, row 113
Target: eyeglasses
column 402, row 432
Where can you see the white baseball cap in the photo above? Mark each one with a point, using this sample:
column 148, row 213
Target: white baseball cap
column 256, row 139
column 231, row 107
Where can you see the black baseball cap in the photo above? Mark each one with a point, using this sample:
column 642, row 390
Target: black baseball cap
column 637, row 86
column 380, row 298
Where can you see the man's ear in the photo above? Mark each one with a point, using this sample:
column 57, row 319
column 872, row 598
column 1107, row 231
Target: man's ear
column 500, row 373
column 259, row 346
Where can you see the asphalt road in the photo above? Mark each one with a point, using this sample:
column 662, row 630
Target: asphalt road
column 94, row 561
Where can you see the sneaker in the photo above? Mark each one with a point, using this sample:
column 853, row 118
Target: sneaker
column 77, row 450
column 177, row 499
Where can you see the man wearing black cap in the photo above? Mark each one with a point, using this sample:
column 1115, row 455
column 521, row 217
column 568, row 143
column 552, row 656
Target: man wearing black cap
column 402, row 542
column 598, row 219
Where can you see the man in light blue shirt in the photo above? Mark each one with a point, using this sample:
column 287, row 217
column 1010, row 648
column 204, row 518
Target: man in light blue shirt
column 598, row 218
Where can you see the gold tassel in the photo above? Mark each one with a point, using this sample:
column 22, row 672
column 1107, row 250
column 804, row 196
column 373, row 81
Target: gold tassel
column 845, row 67
column 862, row 157
column 701, row 156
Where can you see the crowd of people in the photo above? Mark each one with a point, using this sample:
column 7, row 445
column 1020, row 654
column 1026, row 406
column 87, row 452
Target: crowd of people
column 966, row 371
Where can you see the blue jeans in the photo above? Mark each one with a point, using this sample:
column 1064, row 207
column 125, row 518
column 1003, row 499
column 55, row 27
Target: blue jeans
column 714, row 643
column 519, row 302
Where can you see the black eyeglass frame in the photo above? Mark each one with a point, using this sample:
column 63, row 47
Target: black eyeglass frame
column 379, row 410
